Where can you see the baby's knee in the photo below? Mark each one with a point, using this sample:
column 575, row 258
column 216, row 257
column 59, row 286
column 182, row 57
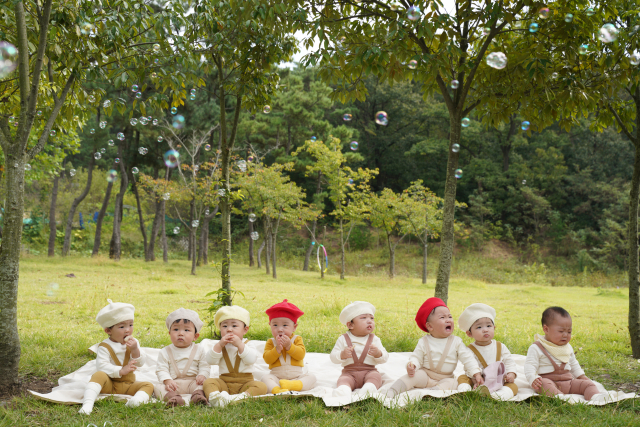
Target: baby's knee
column 100, row 378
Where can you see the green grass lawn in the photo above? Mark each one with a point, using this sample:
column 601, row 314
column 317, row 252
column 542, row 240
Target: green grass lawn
column 57, row 326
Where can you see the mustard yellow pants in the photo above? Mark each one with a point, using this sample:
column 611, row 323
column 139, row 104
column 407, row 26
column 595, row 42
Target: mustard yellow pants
column 111, row 386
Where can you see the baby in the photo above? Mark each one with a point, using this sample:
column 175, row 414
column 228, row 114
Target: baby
column 358, row 351
column 499, row 368
column 551, row 366
column 234, row 358
column 284, row 353
column 117, row 358
column 181, row 365
column 436, row 356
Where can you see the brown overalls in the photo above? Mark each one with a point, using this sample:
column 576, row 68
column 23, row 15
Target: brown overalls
column 464, row 379
column 186, row 384
column 358, row 373
column 123, row 385
column 234, row 382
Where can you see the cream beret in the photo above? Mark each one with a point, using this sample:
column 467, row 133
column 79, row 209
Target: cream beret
column 114, row 313
column 354, row 310
column 474, row 312
column 184, row 313
column 232, row 312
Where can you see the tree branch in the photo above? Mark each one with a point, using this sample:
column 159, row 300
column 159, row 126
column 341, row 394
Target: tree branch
column 622, row 125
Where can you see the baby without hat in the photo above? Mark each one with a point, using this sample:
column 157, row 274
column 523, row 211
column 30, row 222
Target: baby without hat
column 184, row 314
column 232, row 312
column 114, row 313
column 474, row 312
column 356, row 309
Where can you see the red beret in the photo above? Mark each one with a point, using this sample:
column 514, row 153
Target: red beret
column 284, row 309
column 425, row 310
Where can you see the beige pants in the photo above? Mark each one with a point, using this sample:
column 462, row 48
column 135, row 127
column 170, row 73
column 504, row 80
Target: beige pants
column 185, row 386
column 288, row 372
column 463, row 379
column 421, row 379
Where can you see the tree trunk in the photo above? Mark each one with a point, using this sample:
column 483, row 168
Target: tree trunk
column 260, row 253
column 634, row 245
column 392, row 257
column 163, row 235
column 52, row 217
column 74, row 205
column 307, row 256
column 424, row 258
column 267, row 258
column 155, row 226
column 103, row 211
column 204, row 236
column 251, row 261
column 192, row 237
column 134, row 187
column 274, row 238
column 115, row 250
column 192, row 212
column 447, row 235
column 341, row 251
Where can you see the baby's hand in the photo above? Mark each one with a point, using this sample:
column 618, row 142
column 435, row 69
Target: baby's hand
column 411, row 369
column 374, row 351
column 131, row 342
column 200, row 379
column 234, row 340
column 510, row 377
column 129, row 367
column 346, row 353
column 285, row 342
column 536, row 384
column 278, row 345
column 170, row 385
column 478, row 379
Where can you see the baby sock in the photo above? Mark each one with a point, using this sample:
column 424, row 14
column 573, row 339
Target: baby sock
column 138, row 399
column 91, row 393
column 505, row 393
column 216, row 397
column 368, row 389
column 464, row 387
column 277, row 390
column 343, row 390
column 295, row 385
column 600, row 397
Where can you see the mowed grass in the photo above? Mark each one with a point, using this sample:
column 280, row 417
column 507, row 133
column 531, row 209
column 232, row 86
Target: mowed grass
column 57, row 326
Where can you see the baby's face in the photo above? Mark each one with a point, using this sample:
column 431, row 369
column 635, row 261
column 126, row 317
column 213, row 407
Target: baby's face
column 120, row 331
column 183, row 334
column 362, row 325
column 482, row 330
column 440, row 323
column 233, row 326
column 281, row 326
column 558, row 331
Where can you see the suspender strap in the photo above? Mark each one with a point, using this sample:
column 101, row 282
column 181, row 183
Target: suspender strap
column 546, row 353
column 445, row 353
column 185, row 371
column 478, row 355
column 498, row 351
column 236, row 367
column 113, row 354
column 283, row 360
column 360, row 360
column 428, row 352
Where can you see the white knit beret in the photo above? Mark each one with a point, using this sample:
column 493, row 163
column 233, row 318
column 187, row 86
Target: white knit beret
column 474, row 312
column 232, row 312
column 114, row 313
column 184, row 313
column 354, row 310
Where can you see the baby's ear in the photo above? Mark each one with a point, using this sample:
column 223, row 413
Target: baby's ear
column 469, row 334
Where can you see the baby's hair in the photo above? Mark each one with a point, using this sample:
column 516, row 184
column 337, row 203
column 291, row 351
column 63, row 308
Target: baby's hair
column 550, row 313
column 185, row 321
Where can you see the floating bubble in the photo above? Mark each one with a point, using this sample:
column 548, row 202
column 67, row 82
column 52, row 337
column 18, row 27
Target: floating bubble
column 254, row 235
column 178, row 121
column 455, row 84
column 525, row 125
column 608, row 33
column 120, row 136
column 91, row 98
column 166, row 196
column 155, row 122
column 135, row 88
column 160, row 138
column 353, row 145
column 171, row 158
column 76, row 118
column 27, row 167
column 174, row 110
column 112, row 175
column 458, row 173
column 206, row 212
column 72, row 172
column 97, row 156
column 634, row 59
column 524, row 182
column 156, row 61
column 196, row 168
column 242, row 165
column 106, row 103
column 544, row 13
column 583, row 49
column 103, row 150
column 486, row 31
column 412, row 64
column 350, row 181
column 176, row 230
column 534, row 27
column 266, row 109
column 8, row 59
column 395, row 6
column 15, row 124
column 135, row 170
column 156, row 47
column 568, row 17
column 590, row 12
column 87, row 28
column 466, row 122
column 207, row 147
column 39, row 113
column 192, row 92
column 455, row 148
column 497, row 60
column 192, row 97
column 222, row 192
column 52, row 289
column 12, row 119
column 110, row 143
column 382, row 118
column 341, row 40
column 313, row 138
column 347, row 117
column 92, row 131
column 413, row 13
column 117, row 160
column 144, row 121
column 138, row 95
column 252, row 217
column 554, row 75
column 154, row 75
column 52, row 133
column 195, row 223
column 103, row 124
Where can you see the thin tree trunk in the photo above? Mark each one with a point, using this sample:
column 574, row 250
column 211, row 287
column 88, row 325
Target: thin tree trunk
column 52, row 216
column 251, row 261
column 163, row 235
column 274, row 238
column 260, row 253
column 267, row 259
column 115, row 250
column 190, row 250
column 634, row 245
column 74, row 205
column 134, row 187
column 155, row 226
column 424, row 258
column 342, row 266
column 324, row 240
column 103, row 211
column 192, row 237
column 392, row 257
column 307, row 256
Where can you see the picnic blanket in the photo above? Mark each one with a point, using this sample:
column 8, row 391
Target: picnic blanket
column 70, row 389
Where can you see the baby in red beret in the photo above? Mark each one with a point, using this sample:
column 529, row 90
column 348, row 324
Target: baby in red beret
column 284, row 353
column 436, row 356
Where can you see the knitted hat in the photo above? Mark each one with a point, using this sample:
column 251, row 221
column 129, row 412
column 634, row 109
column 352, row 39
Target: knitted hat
column 284, row 309
column 426, row 309
column 474, row 312
column 354, row 310
column 232, row 312
column 114, row 313
column 184, row 313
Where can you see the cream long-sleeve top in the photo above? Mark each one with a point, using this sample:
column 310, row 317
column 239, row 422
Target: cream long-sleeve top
column 247, row 358
column 537, row 363
column 458, row 351
column 106, row 364
column 358, row 345
column 166, row 371
column 489, row 353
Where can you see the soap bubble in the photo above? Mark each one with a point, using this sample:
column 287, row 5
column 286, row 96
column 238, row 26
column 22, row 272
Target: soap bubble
column 144, row 121
column 174, row 110
column 103, row 124
column 222, row 192
column 72, row 172
column 568, row 17
column 143, row 150
column 608, row 33
column 138, row 95
column 160, row 138
column 15, row 124
column 455, row 84
column 196, row 168
column 97, row 156
column 76, row 118
column 178, row 121
column 207, row 147
column 52, row 289
column 195, row 223
column 458, row 173
column 166, row 196
column 583, row 49
column 117, row 160
column 455, row 148
column 103, row 150
column 87, row 28
column 155, row 122
column 154, row 75
column 525, row 125
column 206, row 212
column 347, row 117
column 254, row 235
column 176, row 230
column 120, row 136
column 533, row 28
column 52, row 133
column 412, row 64
column 110, row 143
column 242, row 165
column 156, row 61
column 91, row 98
column 156, row 47
column 27, row 167
column 39, row 113
column 466, row 122
column 554, row 75
column 171, row 158
column 313, row 138
column 486, row 31
column 12, row 119
column 544, row 13
column 350, row 181
column 135, row 88
column 634, row 58
column 8, row 59
column 524, row 182
column 252, row 217
column 353, row 145
column 135, row 170
column 395, row 6
column 192, row 97
column 382, row 118
column 106, row 104
column 414, row 13
column 92, row 131
column 590, row 12
column 497, row 60
column 192, row 92
column 112, row 175
column 266, row 109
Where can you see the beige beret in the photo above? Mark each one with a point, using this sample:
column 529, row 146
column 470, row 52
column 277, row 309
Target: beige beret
column 232, row 312
column 114, row 313
column 355, row 309
column 184, row 313
column 474, row 312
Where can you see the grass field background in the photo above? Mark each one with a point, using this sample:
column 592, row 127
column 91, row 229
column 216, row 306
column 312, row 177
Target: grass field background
column 57, row 326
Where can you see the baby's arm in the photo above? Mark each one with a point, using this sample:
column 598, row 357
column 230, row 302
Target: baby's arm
column 104, row 363
column 270, row 354
column 249, row 356
column 531, row 365
column 510, row 366
column 204, row 369
column 337, row 349
column 141, row 359
column 468, row 359
column 213, row 357
column 297, row 350
column 162, row 367
column 576, row 369
column 384, row 357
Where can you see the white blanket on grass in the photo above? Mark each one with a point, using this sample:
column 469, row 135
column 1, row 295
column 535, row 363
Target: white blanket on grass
column 70, row 389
